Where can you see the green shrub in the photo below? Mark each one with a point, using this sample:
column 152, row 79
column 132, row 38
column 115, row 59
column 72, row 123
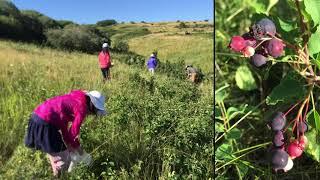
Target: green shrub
column 63, row 23
column 107, row 22
column 182, row 25
column 120, row 46
column 47, row 22
column 79, row 38
column 18, row 26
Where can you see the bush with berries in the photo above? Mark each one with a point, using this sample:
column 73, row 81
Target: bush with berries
column 295, row 121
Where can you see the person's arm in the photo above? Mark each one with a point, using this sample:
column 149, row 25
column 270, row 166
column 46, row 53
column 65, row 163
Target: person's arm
column 155, row 62
column 74, row 130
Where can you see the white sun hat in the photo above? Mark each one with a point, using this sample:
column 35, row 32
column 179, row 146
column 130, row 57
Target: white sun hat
column 105, row 45
column 152, row 55
column 97, row 100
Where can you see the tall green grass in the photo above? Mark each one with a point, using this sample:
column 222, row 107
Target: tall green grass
column 157, row 127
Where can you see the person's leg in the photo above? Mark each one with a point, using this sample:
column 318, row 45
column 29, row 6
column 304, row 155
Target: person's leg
column 104, row 74
column 108, row 73
column 59, row 162
column 193, row 77
column 151, row 70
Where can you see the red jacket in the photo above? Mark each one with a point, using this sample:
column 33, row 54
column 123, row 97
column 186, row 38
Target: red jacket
column 104, row 59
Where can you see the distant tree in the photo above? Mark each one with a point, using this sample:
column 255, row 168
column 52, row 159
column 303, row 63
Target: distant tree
column 63, row 23
column 143, row 22
column 72, row 37
column 182, row 25
column 47, row 22
column 206, row 20
column 107, row 22
column 15, row 25
column 178, row 20
column 132, row 22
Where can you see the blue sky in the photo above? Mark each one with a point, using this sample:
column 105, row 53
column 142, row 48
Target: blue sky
column 91, row 11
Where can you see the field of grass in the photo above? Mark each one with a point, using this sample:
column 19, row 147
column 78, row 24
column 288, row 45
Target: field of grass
column 157, row 127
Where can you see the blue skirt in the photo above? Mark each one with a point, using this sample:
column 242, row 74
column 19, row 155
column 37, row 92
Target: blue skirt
column 43, row 136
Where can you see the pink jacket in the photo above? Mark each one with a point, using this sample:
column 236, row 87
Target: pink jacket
column 104, row 59
column 61, row 110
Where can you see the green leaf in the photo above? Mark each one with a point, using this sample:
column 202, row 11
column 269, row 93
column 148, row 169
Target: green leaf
column 313, row 44
column 316, row 119
column 316, row 62
column 287, row 26
column 232, row 112
column 219, row 127
column 234, row 133
column 271, row 4
column 243, row 169
column 313, row 8
column 221, row 94
column 290, row 89
column 244, row 79
column 310, row 120
column 224, row 152
column 313, row 147
column 259, row 7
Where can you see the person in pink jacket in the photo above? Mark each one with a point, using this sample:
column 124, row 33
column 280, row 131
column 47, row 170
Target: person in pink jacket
column 48, row 128
column 105, row 61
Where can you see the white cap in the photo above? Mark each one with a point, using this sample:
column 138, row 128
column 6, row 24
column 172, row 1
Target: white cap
column 97, row 100
column 105, row 45
column 152, row 55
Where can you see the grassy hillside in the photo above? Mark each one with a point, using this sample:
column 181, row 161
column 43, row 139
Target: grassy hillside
column 157, row 127
column 169, row 40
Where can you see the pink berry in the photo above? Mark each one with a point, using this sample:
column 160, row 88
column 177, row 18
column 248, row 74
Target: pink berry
column 248, row 51
column 275, row 47
column 237, row 43
column 303, row 141
column 294, row 149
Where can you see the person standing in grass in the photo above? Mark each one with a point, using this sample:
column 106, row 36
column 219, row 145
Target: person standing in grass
column 105, row 61
column 48, row 129
column 152, row 63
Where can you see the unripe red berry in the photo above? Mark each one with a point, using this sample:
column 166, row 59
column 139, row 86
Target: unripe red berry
column 237, row 43
column 294, row 149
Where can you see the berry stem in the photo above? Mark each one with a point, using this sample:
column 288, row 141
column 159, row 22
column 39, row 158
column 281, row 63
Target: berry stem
column 306, row 110
column 291, row 109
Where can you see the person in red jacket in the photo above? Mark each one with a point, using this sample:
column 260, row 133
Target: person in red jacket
column 105, row 61
column 49, row 131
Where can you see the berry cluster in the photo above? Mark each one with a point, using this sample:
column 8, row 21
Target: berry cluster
column 281, row 156
column 259, row 43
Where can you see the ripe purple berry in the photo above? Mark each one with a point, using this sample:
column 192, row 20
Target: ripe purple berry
column 279, row 159
column 237, row 43
column 275, row 47
column 258, row 60
column 278, row 139
column 263, row 28
column 302, row 127
column 278, row 121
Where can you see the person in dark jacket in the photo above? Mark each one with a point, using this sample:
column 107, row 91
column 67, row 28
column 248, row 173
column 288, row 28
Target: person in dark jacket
column 192, row 73
column 152, row 63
